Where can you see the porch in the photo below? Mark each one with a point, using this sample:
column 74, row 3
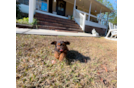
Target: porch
column 85, row 12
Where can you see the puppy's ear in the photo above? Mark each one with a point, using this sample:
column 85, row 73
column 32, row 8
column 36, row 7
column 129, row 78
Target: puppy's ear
column 54, row 42
column 67, row 42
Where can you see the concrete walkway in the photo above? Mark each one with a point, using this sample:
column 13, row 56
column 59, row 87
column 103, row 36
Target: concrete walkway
column 50, row 32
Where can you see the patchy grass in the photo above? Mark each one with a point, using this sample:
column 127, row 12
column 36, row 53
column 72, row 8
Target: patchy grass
column 34, row 54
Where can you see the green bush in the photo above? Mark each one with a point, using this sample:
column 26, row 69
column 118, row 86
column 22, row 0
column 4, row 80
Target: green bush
column 18, row 12
column 26, row 21
column 23, row 21
column 34, row 22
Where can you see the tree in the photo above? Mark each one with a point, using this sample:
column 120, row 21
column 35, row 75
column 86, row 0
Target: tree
column 101, row 1
column 113, row 15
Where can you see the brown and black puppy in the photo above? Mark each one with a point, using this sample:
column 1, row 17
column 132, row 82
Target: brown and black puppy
column 60, row 49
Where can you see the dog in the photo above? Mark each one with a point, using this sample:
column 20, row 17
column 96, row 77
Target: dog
column 61, row 49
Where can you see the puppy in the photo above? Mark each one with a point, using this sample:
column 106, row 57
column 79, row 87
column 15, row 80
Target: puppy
column 61, row 49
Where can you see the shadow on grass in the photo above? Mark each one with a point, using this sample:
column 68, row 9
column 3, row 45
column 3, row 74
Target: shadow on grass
column 73, row 56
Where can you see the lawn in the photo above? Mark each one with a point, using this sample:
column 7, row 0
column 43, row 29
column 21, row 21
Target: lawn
column 34, row 69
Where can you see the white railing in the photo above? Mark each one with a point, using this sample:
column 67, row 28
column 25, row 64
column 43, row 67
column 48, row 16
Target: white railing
column 80, row 18
column 100, row 20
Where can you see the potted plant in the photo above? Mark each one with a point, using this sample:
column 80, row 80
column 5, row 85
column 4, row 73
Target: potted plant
column 72, row 18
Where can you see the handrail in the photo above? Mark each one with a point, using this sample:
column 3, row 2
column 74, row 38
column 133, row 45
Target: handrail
column 90, row 15
column 80, row 18
column 82, row 12
column 93, row 16
column 97, row 17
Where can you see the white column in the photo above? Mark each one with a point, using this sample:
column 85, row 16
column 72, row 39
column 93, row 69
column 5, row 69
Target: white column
column 89, row 10
column 107, row 24
column 74, row 8
column 107, row 20
column 32, row 6
column 84, row 20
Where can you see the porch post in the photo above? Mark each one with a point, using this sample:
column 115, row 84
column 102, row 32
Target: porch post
column 84, row 20
column 100, row 17
column 74, row 8
column 107, row 24
column 32, row 5
column 89, row 11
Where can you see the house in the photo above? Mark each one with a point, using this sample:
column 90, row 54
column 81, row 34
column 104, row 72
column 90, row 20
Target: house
column 86, row 13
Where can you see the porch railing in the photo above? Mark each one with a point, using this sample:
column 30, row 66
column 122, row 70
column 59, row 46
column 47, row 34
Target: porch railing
column 81, row 17
column 100, row 20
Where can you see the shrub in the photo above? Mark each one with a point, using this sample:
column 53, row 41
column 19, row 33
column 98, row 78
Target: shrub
column 25, row 20
column 18, row 12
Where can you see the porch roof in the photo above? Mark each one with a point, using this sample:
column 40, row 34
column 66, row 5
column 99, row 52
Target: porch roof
column 95, row 6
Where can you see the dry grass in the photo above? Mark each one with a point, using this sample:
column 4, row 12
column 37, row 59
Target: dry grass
column 34, row 54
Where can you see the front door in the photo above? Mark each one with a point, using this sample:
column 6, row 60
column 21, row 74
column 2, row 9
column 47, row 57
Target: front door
column 50, row 5
column 60, row 7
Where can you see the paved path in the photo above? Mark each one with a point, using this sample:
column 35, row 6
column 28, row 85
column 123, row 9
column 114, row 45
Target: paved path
column 50, row 32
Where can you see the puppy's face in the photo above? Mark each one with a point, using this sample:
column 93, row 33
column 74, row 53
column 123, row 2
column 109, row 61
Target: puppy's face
column 60, row 46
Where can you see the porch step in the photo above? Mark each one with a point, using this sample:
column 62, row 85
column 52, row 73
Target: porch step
column 63, row 21
column 55, row 23
column 58, row 24
column 59, row 28
column 51, row 17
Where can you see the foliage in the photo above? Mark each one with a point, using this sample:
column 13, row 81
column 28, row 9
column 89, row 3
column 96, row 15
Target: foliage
column 113, row 15
column 18, row 12
column 26, row 21
column 115, row 21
